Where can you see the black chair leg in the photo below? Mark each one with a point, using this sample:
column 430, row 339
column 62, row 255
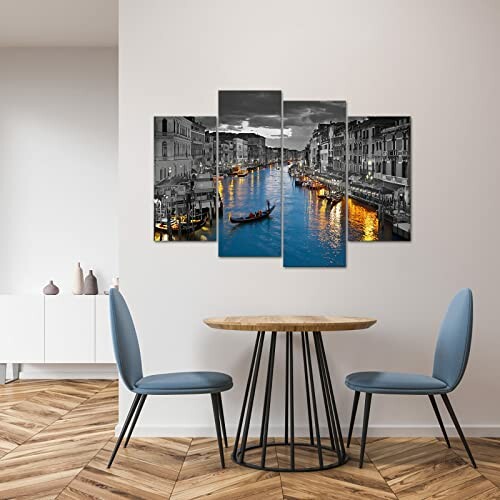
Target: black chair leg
column 353, row 417
column 134, row 421
column 222, row 421
column 124, row 429
column 458, row 428
column 215, row 406
column 440, row 421
column 366, row 417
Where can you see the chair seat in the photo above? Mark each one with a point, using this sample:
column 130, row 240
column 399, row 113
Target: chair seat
column 395, row 383
column 184, row 383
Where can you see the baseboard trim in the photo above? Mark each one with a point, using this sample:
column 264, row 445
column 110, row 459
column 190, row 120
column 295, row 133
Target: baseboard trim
column 54, row 375
column 374, row 431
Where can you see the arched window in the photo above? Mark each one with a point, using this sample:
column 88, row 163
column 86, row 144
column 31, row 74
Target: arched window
column 164, row 149
column 405, row 170
column 164, row 125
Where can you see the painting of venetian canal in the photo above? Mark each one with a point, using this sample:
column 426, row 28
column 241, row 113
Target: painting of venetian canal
column 185, row 178
column 249, row 173
column 379, row 163
column 314, row 183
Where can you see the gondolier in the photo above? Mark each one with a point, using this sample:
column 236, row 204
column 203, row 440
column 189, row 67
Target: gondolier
column 254, row 216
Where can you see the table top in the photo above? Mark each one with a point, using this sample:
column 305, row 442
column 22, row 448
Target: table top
column 290, row 323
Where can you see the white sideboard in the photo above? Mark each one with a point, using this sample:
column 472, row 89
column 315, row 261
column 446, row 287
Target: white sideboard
column 54, row 329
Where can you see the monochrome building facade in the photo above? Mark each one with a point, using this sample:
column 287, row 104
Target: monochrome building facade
column 198, row 144
column 379, row 149
column 240, row 148
column 245, row 149
column 172, row 147
column 324, row 152
column 210, row 149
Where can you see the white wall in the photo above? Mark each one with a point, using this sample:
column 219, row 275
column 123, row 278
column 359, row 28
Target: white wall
column 58, row 174
column 58, row 166
column 434, row 61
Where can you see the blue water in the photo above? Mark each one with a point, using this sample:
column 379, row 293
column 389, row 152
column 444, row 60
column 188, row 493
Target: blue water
column 242, row 195
column 314, row 232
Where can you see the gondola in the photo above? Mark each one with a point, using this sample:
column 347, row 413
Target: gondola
column 263, row 215
column 178, row 226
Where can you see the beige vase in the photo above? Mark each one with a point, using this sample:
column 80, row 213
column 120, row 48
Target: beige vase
column 78, row 280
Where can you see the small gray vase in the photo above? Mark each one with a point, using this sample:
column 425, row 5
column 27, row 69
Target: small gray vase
column 51, row 289
column 90, row 284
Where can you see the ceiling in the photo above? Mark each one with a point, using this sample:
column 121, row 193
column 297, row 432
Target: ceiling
column 58, row 23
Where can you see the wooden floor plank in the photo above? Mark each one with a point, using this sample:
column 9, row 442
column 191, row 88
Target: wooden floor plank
column 486, row 453
column 45, row 463
column 347, row 481
column 421, row 468
column 56, row 438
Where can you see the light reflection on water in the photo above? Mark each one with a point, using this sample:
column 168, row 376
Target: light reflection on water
column 242, row 195
column 314, row 231
column 363, row 222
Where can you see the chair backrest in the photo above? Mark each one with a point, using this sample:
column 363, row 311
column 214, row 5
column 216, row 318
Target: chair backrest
column 125, row 343
column 454, row 340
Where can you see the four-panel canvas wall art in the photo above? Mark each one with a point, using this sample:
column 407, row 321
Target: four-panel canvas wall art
column 273, row 177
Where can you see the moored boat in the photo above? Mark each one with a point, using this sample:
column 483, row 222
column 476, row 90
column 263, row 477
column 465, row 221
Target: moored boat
column 335, row 198
column 181, row 225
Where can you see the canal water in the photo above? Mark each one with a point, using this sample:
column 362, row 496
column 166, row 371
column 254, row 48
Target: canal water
column 314, row 231
column 242, row 195
column 363, row 222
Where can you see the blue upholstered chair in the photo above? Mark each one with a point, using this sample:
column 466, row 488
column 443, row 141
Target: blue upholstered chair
column 128, row 359
column 450, row 361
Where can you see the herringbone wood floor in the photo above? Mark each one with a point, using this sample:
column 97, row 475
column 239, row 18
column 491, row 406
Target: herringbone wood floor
column 56, row 437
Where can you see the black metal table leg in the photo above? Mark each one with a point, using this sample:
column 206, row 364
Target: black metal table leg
column 336, row 445
column 292, row 409
column 328, row 379
column 257, row 350
column 267, row 400
column 308, row 396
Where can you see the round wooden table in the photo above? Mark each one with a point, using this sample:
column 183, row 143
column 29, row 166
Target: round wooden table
column 332, row 446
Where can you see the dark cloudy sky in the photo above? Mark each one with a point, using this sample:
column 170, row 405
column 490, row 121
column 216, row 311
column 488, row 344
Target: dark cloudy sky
column 251, row 111
column 210, row 122
column 300, row 118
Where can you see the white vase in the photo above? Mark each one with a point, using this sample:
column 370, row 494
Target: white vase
column 78, row 280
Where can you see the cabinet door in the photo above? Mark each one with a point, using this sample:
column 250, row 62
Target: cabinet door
column 70, row 329
column 103, row 342
column 21, row 329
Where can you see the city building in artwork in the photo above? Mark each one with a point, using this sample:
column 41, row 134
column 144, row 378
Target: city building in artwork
column 324, row 151
column 256, row 147
column 245, row 149
column 210, row 149
column 184, row 184
column 379, row 169
column 172, row 147
column 197, row 144
column 240, row 148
